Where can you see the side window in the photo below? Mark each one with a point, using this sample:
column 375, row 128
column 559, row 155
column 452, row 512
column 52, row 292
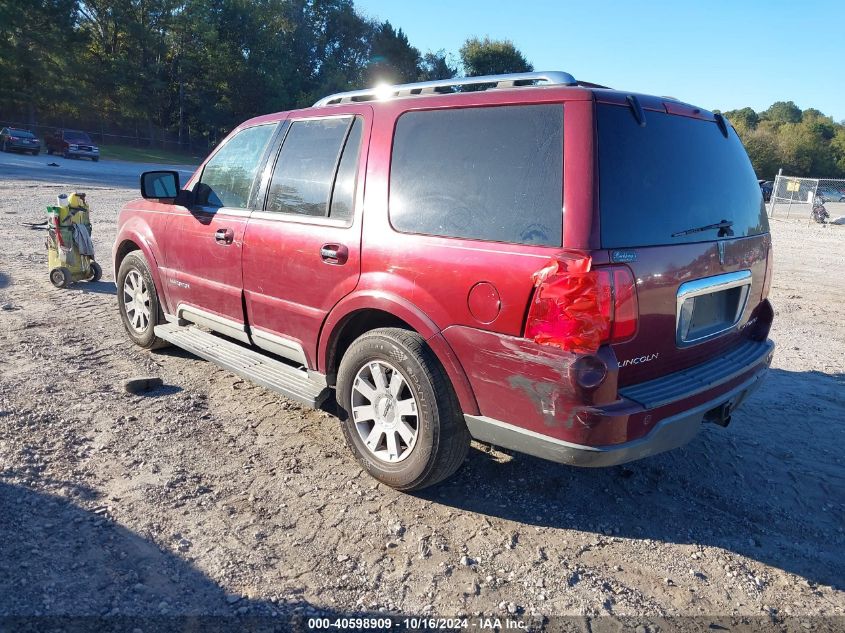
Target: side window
column 227, row 178
column 312, row 164
column 492, row 173
column 343, row 196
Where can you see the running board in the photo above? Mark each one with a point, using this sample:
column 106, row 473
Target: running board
column 272, row 374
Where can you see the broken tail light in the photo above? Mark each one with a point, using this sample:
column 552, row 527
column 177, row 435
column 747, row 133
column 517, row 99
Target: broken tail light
column 578, row 308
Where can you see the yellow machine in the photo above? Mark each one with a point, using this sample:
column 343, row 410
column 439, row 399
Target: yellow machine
column 70, row 253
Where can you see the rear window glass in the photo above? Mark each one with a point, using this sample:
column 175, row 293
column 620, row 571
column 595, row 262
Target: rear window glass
column 21, row 133
column 676, row 173
column 493, row 173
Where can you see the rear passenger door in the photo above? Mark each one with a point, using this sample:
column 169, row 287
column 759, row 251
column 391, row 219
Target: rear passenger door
column 302, row 249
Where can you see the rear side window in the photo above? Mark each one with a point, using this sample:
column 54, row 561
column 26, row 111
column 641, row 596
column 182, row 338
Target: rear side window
column 227, row 178
column 675, row 174
column 493, row 173
column 314, row 175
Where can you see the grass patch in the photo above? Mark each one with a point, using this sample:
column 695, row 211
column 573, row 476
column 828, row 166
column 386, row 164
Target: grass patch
column 148, row 155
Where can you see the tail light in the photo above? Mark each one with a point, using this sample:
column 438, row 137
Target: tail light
column 767, row 279
column 578, row 308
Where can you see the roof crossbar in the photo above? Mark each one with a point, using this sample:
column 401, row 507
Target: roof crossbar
column 556, row 78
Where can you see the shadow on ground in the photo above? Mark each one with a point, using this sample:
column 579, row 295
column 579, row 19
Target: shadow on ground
column 5, row 280
column 66, row 568
column 768, row 487
column 98, row 287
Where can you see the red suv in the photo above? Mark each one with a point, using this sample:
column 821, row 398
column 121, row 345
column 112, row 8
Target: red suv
column 561, row 269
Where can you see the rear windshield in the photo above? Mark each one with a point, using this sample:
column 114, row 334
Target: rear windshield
column 676, row 173
column 21, row 133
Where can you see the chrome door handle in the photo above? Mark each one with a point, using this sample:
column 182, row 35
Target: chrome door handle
column 224, row 236
column 334, row 253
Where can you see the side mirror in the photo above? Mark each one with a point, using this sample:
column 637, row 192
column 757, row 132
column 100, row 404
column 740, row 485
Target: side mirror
column 160, row 185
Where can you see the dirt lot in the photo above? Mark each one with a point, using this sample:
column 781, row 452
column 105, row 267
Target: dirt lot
column 212, row 496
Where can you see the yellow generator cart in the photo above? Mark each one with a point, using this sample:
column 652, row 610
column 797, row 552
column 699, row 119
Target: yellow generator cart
column 70, row 252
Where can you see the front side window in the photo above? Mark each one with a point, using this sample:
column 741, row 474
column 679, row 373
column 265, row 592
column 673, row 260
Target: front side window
column 316, row 168
column 491, row 173
column 227, row 178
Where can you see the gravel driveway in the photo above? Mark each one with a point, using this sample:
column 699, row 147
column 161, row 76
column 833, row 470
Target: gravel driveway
column 213, row 496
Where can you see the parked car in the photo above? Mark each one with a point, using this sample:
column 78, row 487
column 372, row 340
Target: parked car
column 19, row 140
column 72, row 144
column 407, row 253
column 829, row 193
column 766, row 187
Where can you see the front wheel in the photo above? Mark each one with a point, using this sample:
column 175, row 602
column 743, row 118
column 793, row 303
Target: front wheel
column 403, row 423
column 137, row 299
column 60, row 277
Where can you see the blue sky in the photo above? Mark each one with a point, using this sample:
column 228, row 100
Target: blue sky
column 715, row 54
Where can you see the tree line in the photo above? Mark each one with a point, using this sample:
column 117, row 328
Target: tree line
column 802, row 143
column 196, row 68
column 190, row 70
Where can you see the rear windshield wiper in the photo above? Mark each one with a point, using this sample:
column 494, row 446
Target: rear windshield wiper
column 724, row 229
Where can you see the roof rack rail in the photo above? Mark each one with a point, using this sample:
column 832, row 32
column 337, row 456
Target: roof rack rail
column 556, row 78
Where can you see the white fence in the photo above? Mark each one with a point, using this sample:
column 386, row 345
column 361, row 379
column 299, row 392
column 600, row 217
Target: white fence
column 794, row 196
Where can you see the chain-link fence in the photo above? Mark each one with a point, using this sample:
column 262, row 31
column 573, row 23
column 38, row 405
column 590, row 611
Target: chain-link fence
column 792, row 196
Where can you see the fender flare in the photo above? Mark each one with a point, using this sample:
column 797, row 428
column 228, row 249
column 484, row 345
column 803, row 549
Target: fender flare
column 402, row 308
column 148, row 251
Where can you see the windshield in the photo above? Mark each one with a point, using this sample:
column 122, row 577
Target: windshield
column 675, row 174
column 77, row 137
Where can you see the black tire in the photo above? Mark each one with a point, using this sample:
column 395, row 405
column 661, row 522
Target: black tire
column 60, row 277
column 95, row 158
column 49, row 151
column 442, row 438
column 5, row 147
column 36, row 152
column 96, row 272
column 146, row 338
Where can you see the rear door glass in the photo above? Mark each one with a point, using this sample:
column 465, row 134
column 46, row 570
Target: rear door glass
column 492, row 173
column 676, row 173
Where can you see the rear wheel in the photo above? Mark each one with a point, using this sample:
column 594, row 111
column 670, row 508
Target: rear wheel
column 36, row 152
column 403, row 423
column 49, row 151
column 96, row 272
column 60, row 277
column 95, row 158
column 5, row 147
column 65, row 154
column 137, row 299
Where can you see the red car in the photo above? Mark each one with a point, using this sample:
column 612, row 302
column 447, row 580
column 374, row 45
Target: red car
column 560, row 269
column 72, row 144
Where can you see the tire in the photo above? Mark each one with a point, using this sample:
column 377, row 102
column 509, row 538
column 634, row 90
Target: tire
column 49, row 151
column 36, row 152
column 60, row 277
column 65, row 155
column 95, row 158
column 5, row 147
column 440, row 441
column 96, row 272
column 140, row 317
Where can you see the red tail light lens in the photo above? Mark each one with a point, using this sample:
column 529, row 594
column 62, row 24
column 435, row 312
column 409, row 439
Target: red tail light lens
column 577, row 309
column 767, row 280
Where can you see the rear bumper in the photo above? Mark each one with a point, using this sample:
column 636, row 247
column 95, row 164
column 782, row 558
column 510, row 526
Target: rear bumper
column 670, row 432
column 25, row 147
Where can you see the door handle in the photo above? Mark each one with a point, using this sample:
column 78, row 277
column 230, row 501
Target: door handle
column 334, row 253
column 224, row 236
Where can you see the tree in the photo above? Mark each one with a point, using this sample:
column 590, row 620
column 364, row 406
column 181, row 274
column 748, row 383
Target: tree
column 35, row 65
column 492, row 57
column 782, row 112
column 436, row 65
column 392, row 58
column 745, row 116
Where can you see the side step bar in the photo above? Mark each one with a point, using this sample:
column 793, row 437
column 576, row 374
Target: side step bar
column 272, row 374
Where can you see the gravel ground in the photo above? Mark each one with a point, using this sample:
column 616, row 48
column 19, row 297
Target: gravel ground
column 213, row 496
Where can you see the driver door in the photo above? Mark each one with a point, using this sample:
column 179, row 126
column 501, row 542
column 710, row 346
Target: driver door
column 204, row 244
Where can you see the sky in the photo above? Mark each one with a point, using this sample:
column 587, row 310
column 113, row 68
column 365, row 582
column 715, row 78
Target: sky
column 716, row 54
